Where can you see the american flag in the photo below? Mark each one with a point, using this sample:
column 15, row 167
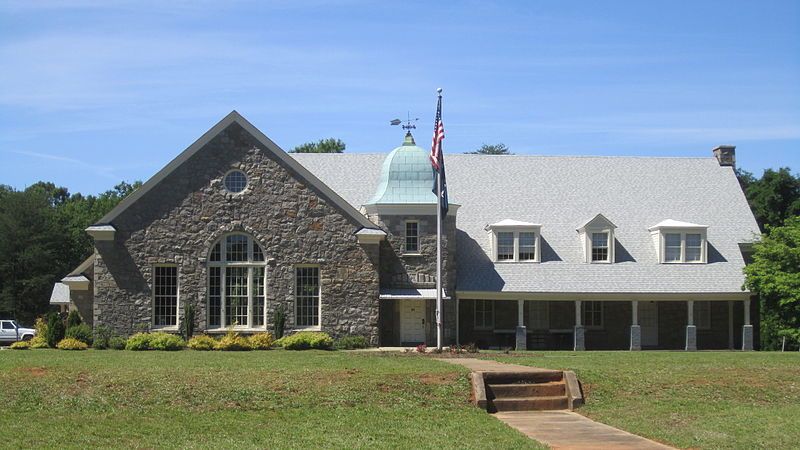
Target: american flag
column 437, row 158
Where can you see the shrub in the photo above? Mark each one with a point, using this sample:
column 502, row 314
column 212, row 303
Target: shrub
column 422, row 348
column 188, row 320
column 261, row 341
column 74, row 319
column 80, row 332
column 117, row 343
column 166, row 342
column 305, row 340
column 232, row 342
column 351, row 343
column 154, row 341
column 279, row 321
column 71, row 344
column 202, row 342
column 38, row 342
column 21, row 345
column 55, row 330
column 102, row 337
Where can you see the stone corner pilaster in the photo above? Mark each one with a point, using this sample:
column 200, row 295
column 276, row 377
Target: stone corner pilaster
column 579, row 338
column 747, row 338
column 691, row 338
column 522, row 338
column 636, row 337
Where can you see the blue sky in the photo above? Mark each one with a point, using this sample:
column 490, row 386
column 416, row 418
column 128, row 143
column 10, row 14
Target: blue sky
column 93, row 92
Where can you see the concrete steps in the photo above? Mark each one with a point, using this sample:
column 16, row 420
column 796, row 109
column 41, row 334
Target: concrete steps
column 526, row 391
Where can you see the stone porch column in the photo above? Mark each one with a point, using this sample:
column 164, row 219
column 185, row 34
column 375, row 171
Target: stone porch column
column 747, row 329
column 691, row 330
column 579, row 331
column 522, row 330
column 636, row 330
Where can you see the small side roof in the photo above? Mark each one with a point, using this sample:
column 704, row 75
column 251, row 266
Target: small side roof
column 411, row 294
column 512, row 223
column 60, row 294
column 83, row 267
column 234, row 116
column 670, row 223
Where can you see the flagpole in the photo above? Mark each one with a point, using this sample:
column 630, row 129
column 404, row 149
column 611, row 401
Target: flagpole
column 439, row 249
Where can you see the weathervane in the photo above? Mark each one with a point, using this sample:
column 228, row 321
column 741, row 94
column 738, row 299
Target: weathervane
column 409, row 125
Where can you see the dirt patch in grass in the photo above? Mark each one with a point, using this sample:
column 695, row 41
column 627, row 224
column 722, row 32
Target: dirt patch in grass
column 33, row 371
column 444, row 378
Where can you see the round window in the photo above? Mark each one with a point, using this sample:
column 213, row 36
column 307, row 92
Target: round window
column 235, row 181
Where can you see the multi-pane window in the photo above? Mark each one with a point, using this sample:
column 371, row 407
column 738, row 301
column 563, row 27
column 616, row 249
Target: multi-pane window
column 307, row 296
column 527, row 246
column 702, row 315
column 165, row 296
column 412, row 237
column 236, row 283
column 694, row 243
column 600, row 247
column 672, row 247
column 505, row 246
column 235, row 181
column 484, row 314
column 592, row 314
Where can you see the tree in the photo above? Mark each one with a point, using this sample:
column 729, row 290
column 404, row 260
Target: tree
column 492, row 149
column 774, row 275
column 774, row 197
column 329, row 145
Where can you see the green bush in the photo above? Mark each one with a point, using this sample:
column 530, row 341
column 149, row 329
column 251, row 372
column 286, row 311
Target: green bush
column 80, row 332
column 166, row 342
column 21, row 345
column 232, row 342
column 40, row 336
column 188, row 319
column 71, row 344
column 279, row 321
column 202, row 342
column 102, row 337
column 55, row 330
column 261, row 341
column 351, row 343
column 38, row 342
column 305, row 340
column 154, row 341
column 117, row 343
column 74, row 319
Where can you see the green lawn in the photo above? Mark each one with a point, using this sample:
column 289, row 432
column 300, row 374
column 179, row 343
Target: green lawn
column 274, row 399
column 688, row 400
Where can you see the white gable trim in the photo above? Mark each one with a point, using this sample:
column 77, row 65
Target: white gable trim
column 281, row 155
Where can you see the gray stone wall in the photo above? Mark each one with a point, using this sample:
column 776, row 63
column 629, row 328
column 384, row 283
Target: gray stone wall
column 180, row 218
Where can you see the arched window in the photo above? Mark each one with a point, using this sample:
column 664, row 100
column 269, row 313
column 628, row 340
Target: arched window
column 236, row 283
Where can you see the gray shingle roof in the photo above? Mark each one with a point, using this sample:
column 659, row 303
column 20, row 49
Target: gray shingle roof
column 635, row 193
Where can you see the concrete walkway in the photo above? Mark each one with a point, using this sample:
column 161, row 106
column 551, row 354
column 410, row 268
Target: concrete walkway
column 558, row 429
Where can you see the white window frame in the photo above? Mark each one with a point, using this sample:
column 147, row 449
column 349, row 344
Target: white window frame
column 483, row 325
column 318, row 326
column 246, row 182
column 702, row 321
column 683, row 232
column 177, row 297
column 516, row 231
column 405, row 238
column 584, row 307
column 609, row 246
column 223, row 264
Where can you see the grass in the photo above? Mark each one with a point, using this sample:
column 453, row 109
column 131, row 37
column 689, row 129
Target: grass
column 688, row 400
column 275, row 399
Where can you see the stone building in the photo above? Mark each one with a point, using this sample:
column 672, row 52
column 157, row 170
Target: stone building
column 538, row 252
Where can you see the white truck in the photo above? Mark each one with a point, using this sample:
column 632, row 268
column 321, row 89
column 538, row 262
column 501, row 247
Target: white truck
column 11, row 332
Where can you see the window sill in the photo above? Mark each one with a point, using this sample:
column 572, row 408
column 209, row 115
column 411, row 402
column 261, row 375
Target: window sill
column 297, row 329
column 415, row 254
column 236, row 329
column 511, row 261
column 693, row 263
column 599, row 262
column 164, row 328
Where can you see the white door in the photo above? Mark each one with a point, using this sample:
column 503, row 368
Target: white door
column 648, row 321
column 412, row 321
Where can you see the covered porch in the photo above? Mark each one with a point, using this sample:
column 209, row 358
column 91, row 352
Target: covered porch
column 657, row 323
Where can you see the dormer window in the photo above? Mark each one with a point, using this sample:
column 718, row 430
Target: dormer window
column 597, row 236
column 680, row 242
column 515, row 241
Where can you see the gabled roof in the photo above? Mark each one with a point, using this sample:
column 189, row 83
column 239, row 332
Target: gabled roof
column 669, row 223
column 561, row 192
column 235, row 117
column 60, row 294
column 598, row 221
column 83, row 267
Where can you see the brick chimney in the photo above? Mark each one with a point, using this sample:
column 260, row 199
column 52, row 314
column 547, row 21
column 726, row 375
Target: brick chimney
column 726, row 155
